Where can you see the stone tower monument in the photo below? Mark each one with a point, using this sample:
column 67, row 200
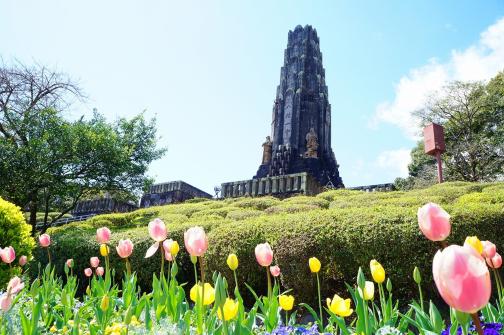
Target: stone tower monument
column 301, row 124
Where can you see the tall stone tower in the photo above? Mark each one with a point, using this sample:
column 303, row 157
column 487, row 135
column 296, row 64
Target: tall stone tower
column 301, row 121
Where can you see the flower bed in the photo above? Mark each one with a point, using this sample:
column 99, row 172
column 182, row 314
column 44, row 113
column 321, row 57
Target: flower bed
column 342, row 265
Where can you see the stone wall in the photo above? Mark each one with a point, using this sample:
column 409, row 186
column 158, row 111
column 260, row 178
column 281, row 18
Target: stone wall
column 283, row 186
column 171, row 192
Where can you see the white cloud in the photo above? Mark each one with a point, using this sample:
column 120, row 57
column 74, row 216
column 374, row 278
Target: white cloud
column 480, row 61
column 395, row 161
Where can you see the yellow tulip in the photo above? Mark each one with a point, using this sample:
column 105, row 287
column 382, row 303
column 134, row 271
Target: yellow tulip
column 232, row 262
column 314, row 264
column 474, row 242
column 105, row 303
column 134, row 321
column 230, row 309
column 377, row 271
column 104, row 250
column 286, row 302
column 174, row 248
column 197, row 290
column 339, row 306
column 368, row 291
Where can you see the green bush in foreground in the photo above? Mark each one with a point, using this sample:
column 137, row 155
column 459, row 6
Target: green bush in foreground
column 344, row 229
column 15, row 232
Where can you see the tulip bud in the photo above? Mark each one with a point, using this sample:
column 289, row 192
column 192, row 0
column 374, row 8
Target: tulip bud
column 232, row 262
column 174, row 248
column 361, row 279
column 367, row 293
column 194, row 259
column 105, row 303
column 377, row 271
column 416, row 275
column 389, row 285
column 314, row 264
column 104, row 250
column 474, row 242
column 23, row 260
column 88, row 290
column 286, row 302
column 94, row 261
column 275, row 271
column 100, row 271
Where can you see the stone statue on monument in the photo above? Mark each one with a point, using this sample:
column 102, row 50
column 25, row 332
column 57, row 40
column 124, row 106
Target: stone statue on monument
column 311, row 144
column 267, row 149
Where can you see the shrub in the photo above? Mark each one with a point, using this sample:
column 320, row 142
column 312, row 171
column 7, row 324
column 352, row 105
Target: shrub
column 290, row 208
column 358, row 227
column 242, row 214
column 15, row 232
column 256, row 203
column 305, row 200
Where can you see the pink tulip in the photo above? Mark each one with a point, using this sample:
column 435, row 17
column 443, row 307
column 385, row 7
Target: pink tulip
column 8, row 255
column 23, row 260
column 100, row 271
column 196, row 241
column 264, row 254
column 434, row 222
column 462, row 278
column 489, row 249
column 44, row 240
column 88, row 272
column 15, row 285
column 103, row 235
column 495, row 262
column 94, row 261
column 70, row 263
column 157, row 230
column 124, row 248
column 275, row 271
column 5, row 302
column 167, row 244
column 167, row 255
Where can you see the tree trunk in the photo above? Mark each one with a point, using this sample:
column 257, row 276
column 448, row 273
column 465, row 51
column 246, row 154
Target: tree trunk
column 46, row 214
column 33, row 205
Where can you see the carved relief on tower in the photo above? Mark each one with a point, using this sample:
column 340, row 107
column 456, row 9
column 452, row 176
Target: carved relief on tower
column 267, row 150
column 311, row 144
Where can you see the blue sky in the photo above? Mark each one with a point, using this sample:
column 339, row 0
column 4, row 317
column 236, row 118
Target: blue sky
column 208, row 71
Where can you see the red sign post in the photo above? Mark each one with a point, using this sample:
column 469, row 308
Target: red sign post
column 435, row 145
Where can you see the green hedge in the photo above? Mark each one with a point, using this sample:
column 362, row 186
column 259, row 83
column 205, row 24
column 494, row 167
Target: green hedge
column 344, row 229
column 15, row 232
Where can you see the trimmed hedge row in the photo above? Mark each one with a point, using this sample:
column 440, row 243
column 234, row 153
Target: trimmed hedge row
column 344, row 229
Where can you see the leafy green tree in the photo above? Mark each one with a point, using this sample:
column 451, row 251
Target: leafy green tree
column 472, row 114
column 49, row 162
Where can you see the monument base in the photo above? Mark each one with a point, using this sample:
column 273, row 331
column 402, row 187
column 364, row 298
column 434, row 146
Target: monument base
column 278, row 186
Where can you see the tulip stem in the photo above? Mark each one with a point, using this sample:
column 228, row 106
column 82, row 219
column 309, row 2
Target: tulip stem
column 477, row 323
column 128, row 267
column 224, row 325
column 202, row 270
column 269, row 281
column 48, row 255
column 162, row 262
column 366, row 312
column 168, row 274
column 320, row 303
column 286, row 318
column 236, row 280
column 195, row 274
column 421, row 296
